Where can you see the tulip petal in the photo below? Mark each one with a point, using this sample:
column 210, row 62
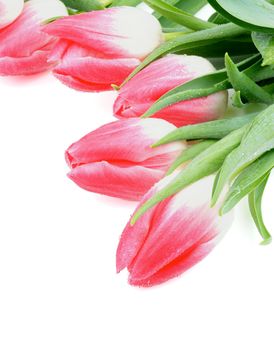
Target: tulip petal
column 116, row 181
column 171, row 237
column 126, row 141
column 116, row 32
column 24, row 36
column 177, row 267
column 9, row 11
column 94, row 74
column 133, row 237
column 81, row 85
column 35, row 63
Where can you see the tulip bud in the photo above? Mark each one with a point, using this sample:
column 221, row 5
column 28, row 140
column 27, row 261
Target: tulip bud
column 80, row 69
column 101, row 48
column 118, row 32
column 24, row 47
column 145, row 88
column 117, row 160
column 171, row 237
column 9, row 11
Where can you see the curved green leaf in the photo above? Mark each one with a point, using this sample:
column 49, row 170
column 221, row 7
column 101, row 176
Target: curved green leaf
column 265, row 44
column 247, row 87
column 190, row 6
column 237, row 100
column 179, row 16
column 84, row 5
column 190, row 153
column 217, row 18
column 259, row 139
column 257, row 15
column 248, row 180
column 215, row 129
column 132, row 3
column 255, row 206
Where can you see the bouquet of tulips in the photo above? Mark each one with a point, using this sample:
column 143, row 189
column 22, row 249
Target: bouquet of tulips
column 177, row 147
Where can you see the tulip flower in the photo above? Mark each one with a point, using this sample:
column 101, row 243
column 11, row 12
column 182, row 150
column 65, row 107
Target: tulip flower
column 171, row 237
column 146, row 87
column 100, row 48
column 9, row 11
column 24, row 47
column 117, row 160
column 80, row 69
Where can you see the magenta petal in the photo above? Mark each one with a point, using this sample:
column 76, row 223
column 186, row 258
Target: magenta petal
column 113, row 180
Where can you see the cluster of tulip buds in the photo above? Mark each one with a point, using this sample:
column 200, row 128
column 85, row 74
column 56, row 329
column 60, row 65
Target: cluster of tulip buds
column 167, row 140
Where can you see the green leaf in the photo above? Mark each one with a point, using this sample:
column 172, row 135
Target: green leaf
column 190, row 6
column 132, row 3
column 84, row 5
column 248, row 88
column 258, row 139
column 237, row 100
column 248, row 180
column 255, row 206
column 233, row 47
column 206, row 163
column 257, row 15
column 188, row 41
column 178, row 16
column 265, row 44
column 218, row 19
column 190, row 153
column 216, row 129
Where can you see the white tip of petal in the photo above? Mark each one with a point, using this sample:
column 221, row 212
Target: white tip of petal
column 9, row 11
column 48, row 9
column 195, row 64
column 143, row 31
column 197, row 197
column 155, row 129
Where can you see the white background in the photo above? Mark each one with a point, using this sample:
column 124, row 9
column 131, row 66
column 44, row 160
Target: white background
column 58, row 286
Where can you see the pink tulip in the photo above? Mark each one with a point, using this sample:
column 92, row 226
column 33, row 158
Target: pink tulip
column 24, row 47
column 80, row 69
column 159, row 77
column 117, row 160
column 9, row 11
column 171, row 237
column 101, row 48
